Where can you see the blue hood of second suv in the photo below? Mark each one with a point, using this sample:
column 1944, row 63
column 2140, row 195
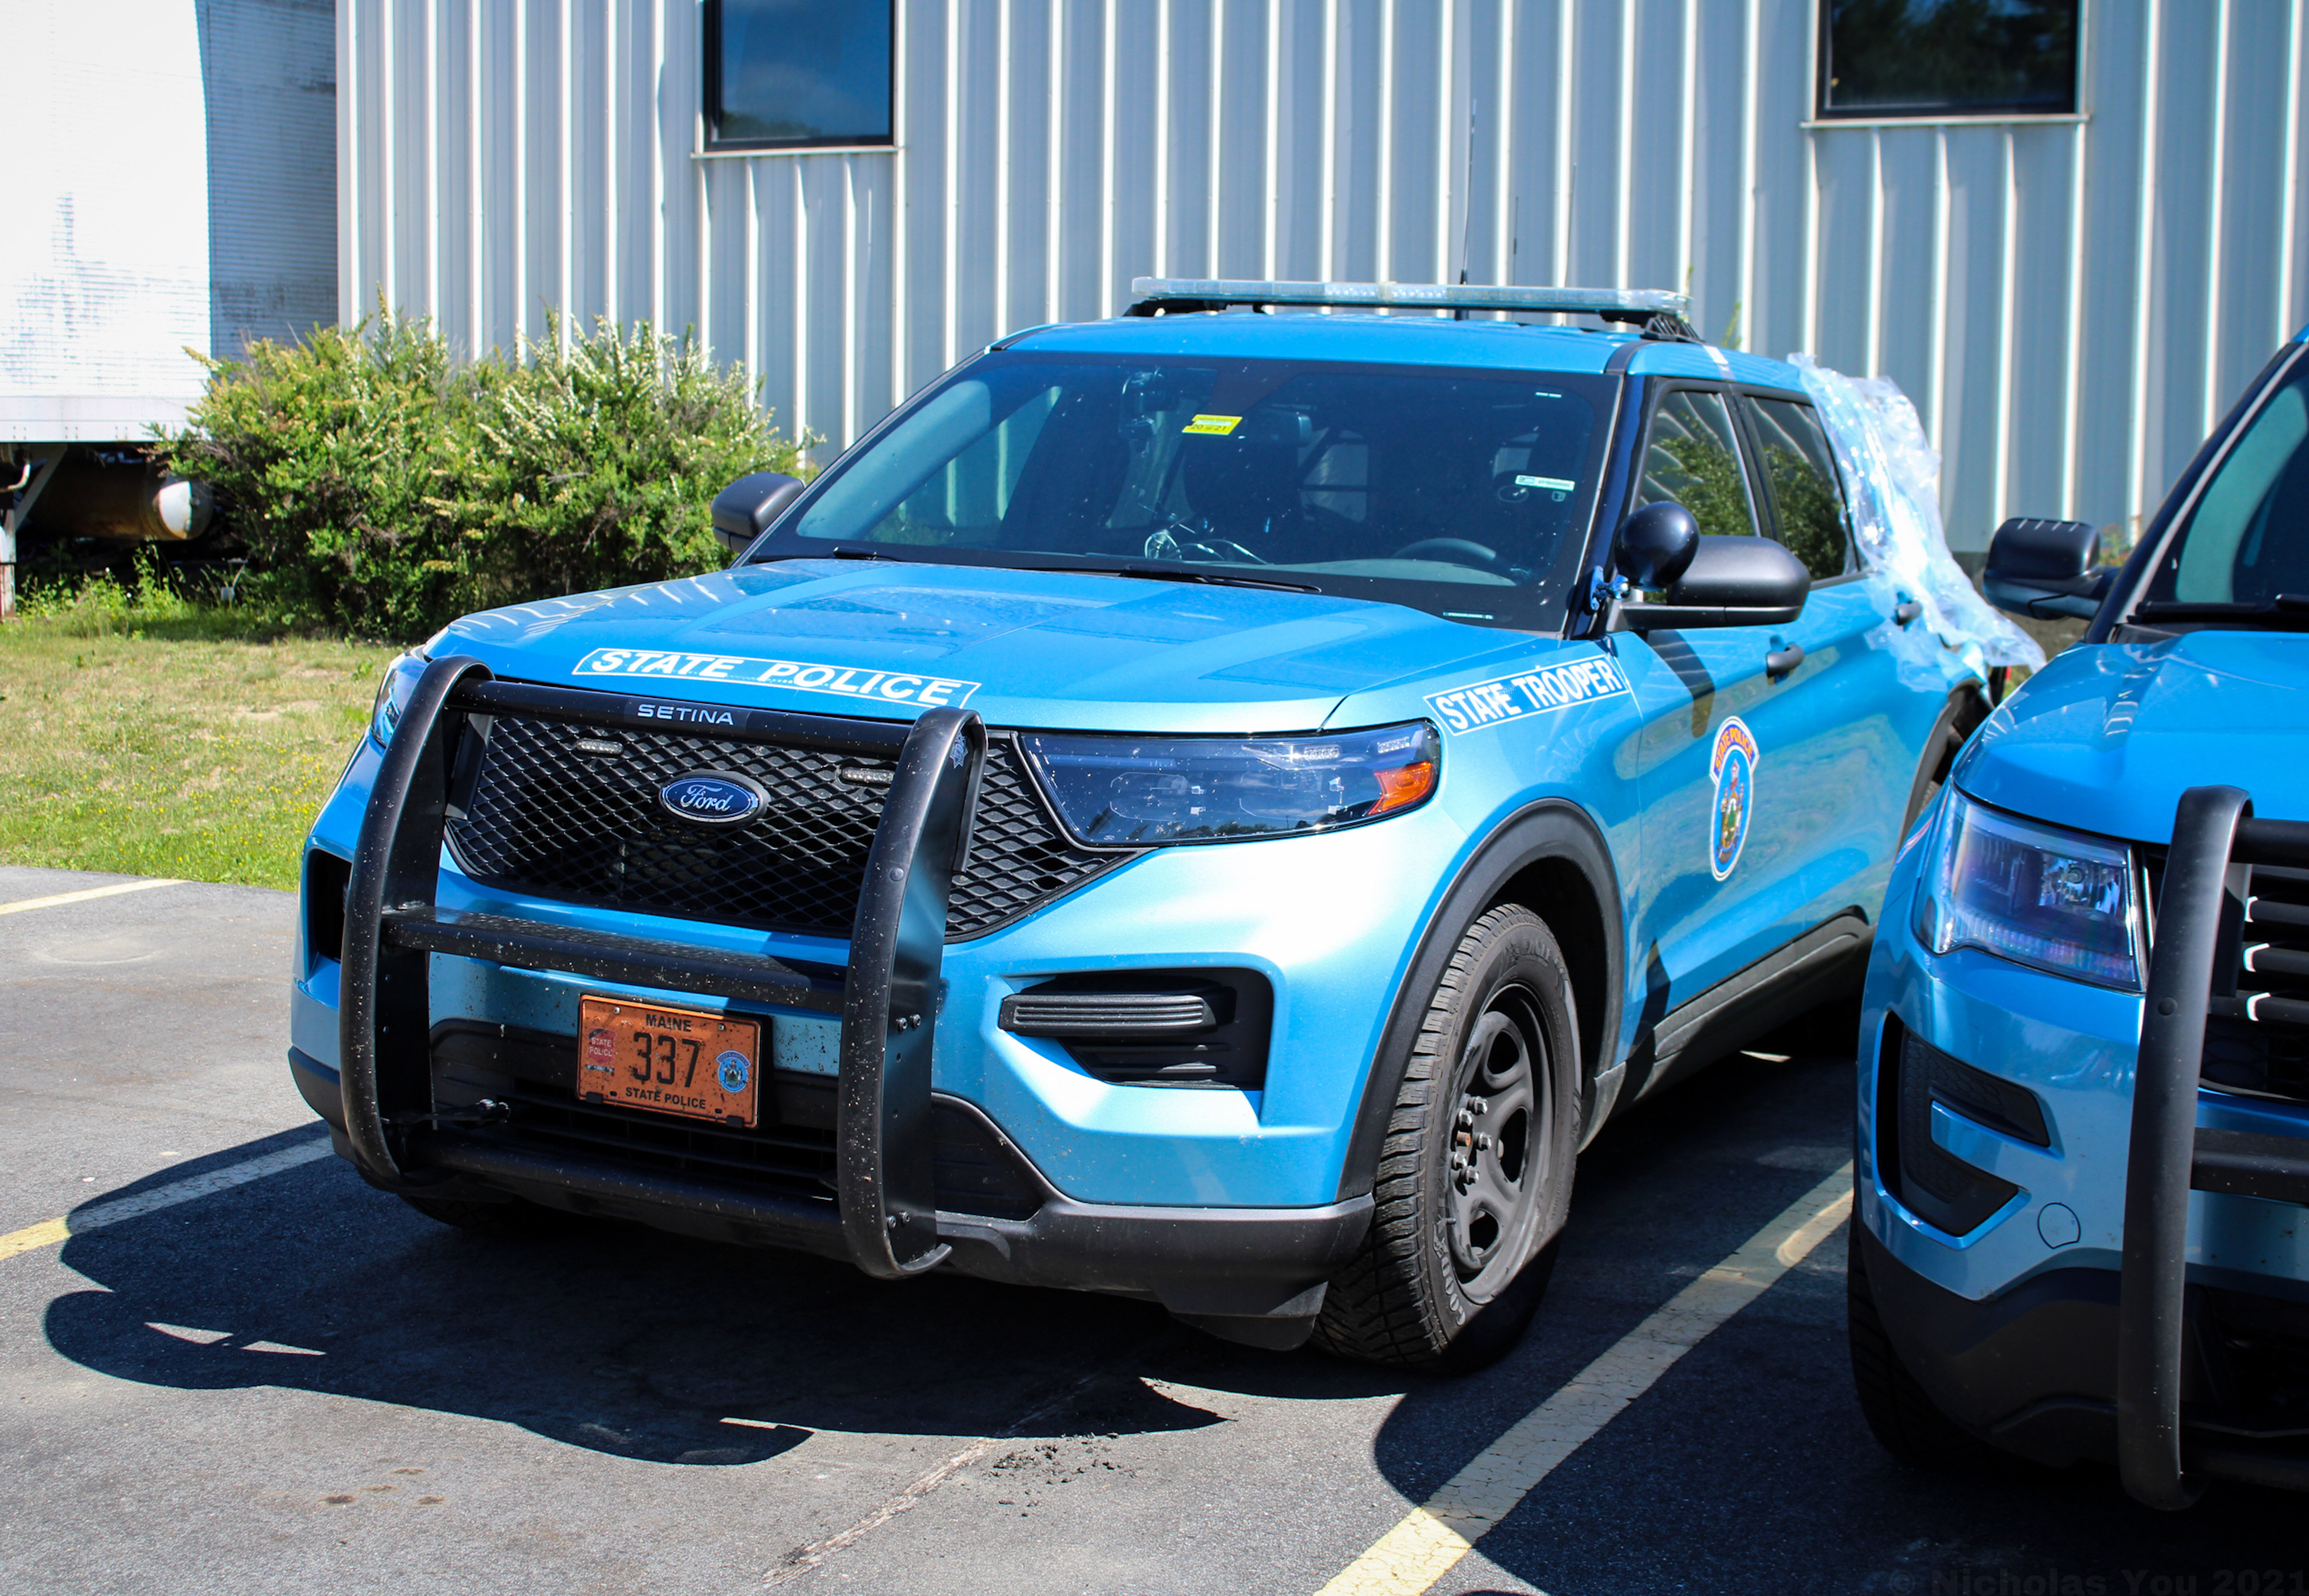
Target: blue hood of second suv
column 2107, row 738
column 1023, row 648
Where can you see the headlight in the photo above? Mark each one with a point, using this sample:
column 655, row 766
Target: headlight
column 2033, row 893
column 1141, row 790
column 392, row 696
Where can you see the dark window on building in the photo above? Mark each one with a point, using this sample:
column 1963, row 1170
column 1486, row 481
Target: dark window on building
column 785, row 72
column 1948, row 58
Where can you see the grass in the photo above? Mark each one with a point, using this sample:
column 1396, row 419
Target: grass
column 141, row 735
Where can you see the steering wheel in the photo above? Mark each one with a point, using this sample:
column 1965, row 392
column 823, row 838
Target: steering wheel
column 1455, row 551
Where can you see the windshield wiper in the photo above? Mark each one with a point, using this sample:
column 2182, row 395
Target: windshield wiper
column 839, row 551
column 2287, row 610
column 1174, row 573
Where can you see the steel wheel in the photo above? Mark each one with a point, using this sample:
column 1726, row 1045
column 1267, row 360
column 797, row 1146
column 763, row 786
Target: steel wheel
column 1500, row 1139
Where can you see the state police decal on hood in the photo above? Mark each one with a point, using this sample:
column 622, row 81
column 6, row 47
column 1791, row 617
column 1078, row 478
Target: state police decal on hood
column 840, row 681
column 1504, row 699
column 1732, row 766
column 713, row 797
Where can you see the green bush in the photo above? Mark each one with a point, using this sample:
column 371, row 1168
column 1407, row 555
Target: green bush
column 384, row 487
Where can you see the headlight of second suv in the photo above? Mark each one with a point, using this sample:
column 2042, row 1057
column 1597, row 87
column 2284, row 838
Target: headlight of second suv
column 2036, row 894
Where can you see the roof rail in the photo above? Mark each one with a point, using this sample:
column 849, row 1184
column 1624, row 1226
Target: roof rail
column 1659, row 311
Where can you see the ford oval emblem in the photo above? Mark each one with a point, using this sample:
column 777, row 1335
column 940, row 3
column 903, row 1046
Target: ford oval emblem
column 710, row 798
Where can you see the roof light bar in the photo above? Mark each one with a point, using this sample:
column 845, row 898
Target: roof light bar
column 1615, row 304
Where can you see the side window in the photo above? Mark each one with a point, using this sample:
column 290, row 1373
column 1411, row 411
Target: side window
column 1804, row 485
column 1692, row 459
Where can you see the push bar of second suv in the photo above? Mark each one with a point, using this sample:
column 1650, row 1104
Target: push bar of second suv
column 2193, row 973
column 887, row 998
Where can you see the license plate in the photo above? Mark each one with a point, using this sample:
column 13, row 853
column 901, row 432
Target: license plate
column 689, row 1061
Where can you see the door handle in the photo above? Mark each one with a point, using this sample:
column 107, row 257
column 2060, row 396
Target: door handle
column 1779, row 662
column 1905, row 611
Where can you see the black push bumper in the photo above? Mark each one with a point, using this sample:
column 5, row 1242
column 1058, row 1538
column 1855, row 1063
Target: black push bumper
column 2205, row 909
column 1202, row 1262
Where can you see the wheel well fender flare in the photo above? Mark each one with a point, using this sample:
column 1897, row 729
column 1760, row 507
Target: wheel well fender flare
column 1550, row 857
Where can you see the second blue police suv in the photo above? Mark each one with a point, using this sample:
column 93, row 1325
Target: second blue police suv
column 2084, row 1084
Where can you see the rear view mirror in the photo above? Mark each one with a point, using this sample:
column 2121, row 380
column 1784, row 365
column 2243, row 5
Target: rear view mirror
column 2045, row 569
column 1655, row 544
column 1729, row 581
column 743, row 510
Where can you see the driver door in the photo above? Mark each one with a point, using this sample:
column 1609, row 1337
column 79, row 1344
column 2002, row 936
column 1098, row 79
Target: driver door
column 1723, row 824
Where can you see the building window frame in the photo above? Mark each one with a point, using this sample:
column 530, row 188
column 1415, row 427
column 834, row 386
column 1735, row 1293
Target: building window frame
column 710, row 101
column 1823, row 114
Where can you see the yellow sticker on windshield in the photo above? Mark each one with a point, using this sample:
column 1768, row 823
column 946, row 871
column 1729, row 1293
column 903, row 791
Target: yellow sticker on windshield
column 1220, row 425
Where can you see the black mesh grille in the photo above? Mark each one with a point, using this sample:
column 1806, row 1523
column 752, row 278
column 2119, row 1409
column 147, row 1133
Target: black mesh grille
column 548, row 816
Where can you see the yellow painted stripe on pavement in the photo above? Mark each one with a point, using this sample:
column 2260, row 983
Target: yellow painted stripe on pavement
column 86, row 893
column 1412, row 1557
column 48, row 1233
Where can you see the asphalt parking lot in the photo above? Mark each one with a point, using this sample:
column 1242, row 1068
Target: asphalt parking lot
column 275, row 1379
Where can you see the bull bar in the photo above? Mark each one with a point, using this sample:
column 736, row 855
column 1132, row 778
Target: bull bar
column 2203, row 909
column 888, row 999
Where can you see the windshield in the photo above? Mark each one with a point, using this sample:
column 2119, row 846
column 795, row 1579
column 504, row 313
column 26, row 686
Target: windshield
column 1464, row 493
column 2243, row 543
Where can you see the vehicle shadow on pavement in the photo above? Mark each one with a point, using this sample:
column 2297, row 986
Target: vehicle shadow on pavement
column 1748, row 1466
column 601, row 1335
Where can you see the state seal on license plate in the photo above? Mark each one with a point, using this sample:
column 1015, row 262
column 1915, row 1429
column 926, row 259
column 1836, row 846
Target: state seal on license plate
column 688, row 1062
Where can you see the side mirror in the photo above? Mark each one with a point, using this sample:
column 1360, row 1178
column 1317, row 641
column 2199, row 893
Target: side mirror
column 743, row 510
column 1655, row 544
column 2043, row 569
column 1730, row 581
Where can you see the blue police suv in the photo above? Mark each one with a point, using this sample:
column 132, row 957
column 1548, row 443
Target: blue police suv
column 1216, row 805
column 2084, row 1084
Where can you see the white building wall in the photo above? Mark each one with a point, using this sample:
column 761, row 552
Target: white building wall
column 170, row 172
column 2071, row 302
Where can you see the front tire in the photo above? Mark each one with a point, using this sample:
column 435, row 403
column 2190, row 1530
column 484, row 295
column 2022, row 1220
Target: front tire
column 1474, row 1175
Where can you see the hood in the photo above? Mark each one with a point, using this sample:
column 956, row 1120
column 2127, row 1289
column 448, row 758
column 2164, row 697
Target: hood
column 2107, row 738
column 883, row 640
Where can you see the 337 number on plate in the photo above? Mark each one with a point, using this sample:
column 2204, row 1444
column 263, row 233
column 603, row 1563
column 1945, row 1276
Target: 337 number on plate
column 689, row 1061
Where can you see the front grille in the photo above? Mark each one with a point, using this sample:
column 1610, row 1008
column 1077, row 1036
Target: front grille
column 567, row 812
column 2258, row 1045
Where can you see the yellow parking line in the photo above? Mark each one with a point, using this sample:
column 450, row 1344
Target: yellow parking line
column 115, row 890
column 1436, row 1534
column 48, row 1232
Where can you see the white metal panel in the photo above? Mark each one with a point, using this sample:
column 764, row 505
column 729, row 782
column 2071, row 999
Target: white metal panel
column 2069, row 302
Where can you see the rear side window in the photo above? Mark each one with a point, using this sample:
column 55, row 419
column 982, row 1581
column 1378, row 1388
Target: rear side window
column 1692, row 458
column 1805, row 488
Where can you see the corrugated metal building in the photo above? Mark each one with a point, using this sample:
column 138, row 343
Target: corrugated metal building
column 2070, row 297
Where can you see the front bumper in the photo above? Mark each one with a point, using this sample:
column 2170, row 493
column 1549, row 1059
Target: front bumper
column 2096, row 1311
column 1232, row 1267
